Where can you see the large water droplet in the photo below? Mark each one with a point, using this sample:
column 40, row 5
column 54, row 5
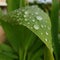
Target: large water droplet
column 36, row 26
column 36, row 13
column 39, row 18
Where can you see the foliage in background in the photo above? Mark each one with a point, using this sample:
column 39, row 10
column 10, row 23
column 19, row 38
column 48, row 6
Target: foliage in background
column 54, row 21
column 28, row 32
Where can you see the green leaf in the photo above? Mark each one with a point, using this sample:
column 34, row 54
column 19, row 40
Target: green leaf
column 54, row 22
column 19, row 26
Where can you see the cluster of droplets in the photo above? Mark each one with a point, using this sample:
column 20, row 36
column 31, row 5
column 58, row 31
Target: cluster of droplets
column 32, row 20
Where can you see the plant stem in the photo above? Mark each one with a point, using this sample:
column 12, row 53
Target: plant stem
column 54, row 21
column 22, row 3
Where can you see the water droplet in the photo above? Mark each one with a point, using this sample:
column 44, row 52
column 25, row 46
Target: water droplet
column 39, row 18
column 33, row 20
column 46, row 33
column 41, row 33
column 42, row 26
column 36, row 26
column 20, row 23
column 26, row 20
column 24, row 15
column 26, row 12
column 36, row 13
column 45, row 39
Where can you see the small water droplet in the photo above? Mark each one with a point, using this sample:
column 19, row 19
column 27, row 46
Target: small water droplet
column 42, row 26
column 33, row 20
column 26, row 12
column 36, row 26
column 36, row 13
column 46, row 39
column 26, row 20
column 46, row 33
column 41, row 33
column 20, row 23
column 39, row 18
column 24, row 15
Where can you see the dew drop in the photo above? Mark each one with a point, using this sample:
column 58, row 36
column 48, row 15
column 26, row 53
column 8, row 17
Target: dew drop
column 46, row 33
column 39, row 18
column 26, row 20
column 45, row 39
column 33, row 20
column 24, row 15
column 26, row 12
column 36, row 13
column 36, row 27
column 41, row 33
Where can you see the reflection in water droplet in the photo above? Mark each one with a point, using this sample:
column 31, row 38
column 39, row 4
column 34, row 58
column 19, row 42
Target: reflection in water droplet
column 39, row 18
column 36, row 26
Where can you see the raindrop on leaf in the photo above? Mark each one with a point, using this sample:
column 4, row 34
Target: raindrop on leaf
column 39, row 18
column 36, row 26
